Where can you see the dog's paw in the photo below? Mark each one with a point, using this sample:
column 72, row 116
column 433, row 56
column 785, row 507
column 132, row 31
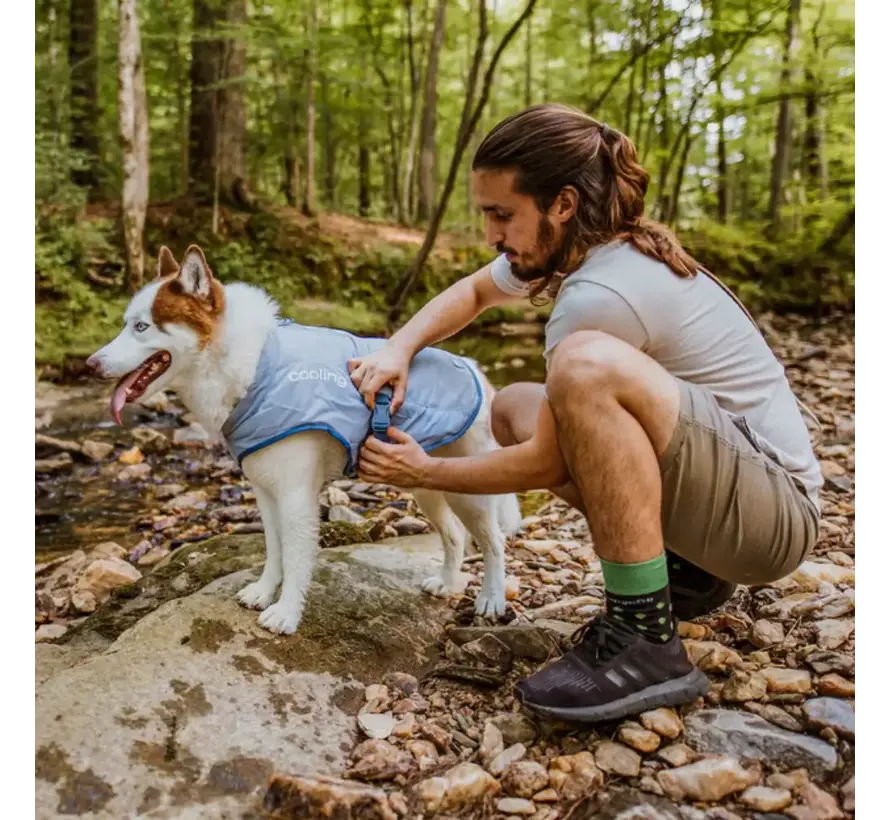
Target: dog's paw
column 257, row 595
column 491, row 604
column 440, row 587
column 281, row 618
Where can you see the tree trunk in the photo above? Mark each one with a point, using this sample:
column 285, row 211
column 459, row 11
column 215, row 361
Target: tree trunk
column 133, row 122
column 528, row 63
column 364, row 174
column 330, row 147
column 784, row 123
column 814, row 156
column 468, row 123
column 83, row 62
column 427, row 192
column 722, row 168
column 217, row 127
column 408, row 168
column 309, row 196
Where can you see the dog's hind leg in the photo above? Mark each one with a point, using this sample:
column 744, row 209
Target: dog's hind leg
column 479, row 514
column 261, row 593
column 454, row 536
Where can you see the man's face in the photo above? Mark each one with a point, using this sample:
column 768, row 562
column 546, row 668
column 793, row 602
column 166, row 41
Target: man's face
column 532, row 240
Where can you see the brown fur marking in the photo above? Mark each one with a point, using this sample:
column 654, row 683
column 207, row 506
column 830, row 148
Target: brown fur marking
column 173, row 305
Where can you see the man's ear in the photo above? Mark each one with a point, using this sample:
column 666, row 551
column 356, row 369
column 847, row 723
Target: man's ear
column 566, row 204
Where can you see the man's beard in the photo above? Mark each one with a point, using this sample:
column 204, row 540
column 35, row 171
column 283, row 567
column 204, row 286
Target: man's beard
column 555, row 258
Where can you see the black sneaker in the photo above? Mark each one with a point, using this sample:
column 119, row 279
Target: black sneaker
column 695, row 592
column 610, row 673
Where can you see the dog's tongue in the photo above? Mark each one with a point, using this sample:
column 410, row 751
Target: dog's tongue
column 119, row 397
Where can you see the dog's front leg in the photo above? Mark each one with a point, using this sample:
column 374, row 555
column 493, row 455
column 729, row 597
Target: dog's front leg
column 261, row 593
column 298, row 525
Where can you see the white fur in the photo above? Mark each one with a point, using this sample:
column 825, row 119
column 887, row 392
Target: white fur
column 288, row 475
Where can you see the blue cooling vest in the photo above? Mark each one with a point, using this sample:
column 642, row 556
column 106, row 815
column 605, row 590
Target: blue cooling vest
column 302, row 383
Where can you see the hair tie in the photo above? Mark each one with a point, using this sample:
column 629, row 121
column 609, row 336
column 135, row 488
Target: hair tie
column 604, row 130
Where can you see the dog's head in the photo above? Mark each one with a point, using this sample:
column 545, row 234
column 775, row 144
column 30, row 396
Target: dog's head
column 166, row 323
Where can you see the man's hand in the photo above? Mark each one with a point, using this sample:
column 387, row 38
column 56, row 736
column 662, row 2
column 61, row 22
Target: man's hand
column 402, row 464
column 388, row 365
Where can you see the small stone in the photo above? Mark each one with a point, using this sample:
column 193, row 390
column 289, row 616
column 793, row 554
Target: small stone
column 492, row 743
column 824, row 662
column 192, row 436
column 511, row 588
column 342, row 513
column 108, row 549
column 516, row 728
column 132, row 456
column 562, row 608
column 760, row 658
column 791, row 781
column 339, row 498
column 830, row 634
column 377, row 726
column 464, row 785
column 153, row 556
column 376, row 759
column 743, row 735
column 710, row 779
column 575, row 776
column 677, row 754
column 787, row 680
column 831, row 713
column 194, row 500
column 524, row 778
column 410, row 526
column 810, row 573
column 817, row 805
column 398, row 803
column 635, row 736
column 83, row 601
column 105, row 575
column 405, row 683
column 613, row 758
column 711, row 656
column 764, row 798
column 775, row 714
column 54, row 465
column 49, row 632
column 697, row 632
column 516, row 805
column 523, row 641
column 743, row 686
column 664, row 721
column 848, row 792
column 435, row 733
column 376, row 691
column 546, row 796
column 151, row 441
column 320, row 796
column 414, row 703
column 406, row 727
column 424, row 752
column 97, row 450
column 836, row 686
column 766, row 633
column 511, row 754
column 488, row 650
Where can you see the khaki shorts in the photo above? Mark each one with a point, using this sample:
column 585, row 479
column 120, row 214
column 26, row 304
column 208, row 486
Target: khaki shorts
column 726, row 506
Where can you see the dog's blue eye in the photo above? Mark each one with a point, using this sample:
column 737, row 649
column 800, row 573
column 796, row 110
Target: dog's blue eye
column 140, row 326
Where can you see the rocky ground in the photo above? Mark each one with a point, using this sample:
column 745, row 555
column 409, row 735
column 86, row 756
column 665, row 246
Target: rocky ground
column 774, row 737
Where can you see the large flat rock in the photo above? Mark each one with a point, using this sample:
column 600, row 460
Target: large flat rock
column 193, row 705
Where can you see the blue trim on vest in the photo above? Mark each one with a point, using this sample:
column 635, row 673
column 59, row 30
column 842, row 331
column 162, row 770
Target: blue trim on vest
column 302, row 428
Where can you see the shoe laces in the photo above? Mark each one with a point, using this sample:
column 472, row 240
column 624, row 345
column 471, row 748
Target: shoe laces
column 603, row 636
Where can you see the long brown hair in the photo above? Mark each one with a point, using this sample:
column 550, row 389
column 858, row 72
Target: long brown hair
column 551, row 146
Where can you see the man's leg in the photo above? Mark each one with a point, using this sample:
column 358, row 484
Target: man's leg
column 616, row 411
column 694, row 592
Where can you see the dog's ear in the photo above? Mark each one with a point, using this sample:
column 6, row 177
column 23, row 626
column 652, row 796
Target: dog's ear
column 166, row 263
column 195, row 275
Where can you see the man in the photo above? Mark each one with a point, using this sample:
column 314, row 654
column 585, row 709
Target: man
column 665, row 417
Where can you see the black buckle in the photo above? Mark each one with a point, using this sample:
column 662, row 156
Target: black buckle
column 380, row 416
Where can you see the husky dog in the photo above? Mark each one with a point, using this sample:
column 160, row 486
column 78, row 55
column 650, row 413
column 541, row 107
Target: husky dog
column 279, row 393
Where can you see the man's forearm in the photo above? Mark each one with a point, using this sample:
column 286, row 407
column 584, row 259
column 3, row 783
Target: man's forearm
column 506, row 470
column 443, row 316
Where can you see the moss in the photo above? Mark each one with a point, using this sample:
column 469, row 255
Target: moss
column 342, row 534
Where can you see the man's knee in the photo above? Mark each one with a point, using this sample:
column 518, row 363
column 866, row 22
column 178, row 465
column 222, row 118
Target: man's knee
column 508, row 401
column 586, row 365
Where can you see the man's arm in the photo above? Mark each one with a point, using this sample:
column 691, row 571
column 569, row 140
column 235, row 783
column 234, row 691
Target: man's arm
column 536, row 464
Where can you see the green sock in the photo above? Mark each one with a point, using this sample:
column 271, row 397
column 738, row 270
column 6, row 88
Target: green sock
column 640, row 596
